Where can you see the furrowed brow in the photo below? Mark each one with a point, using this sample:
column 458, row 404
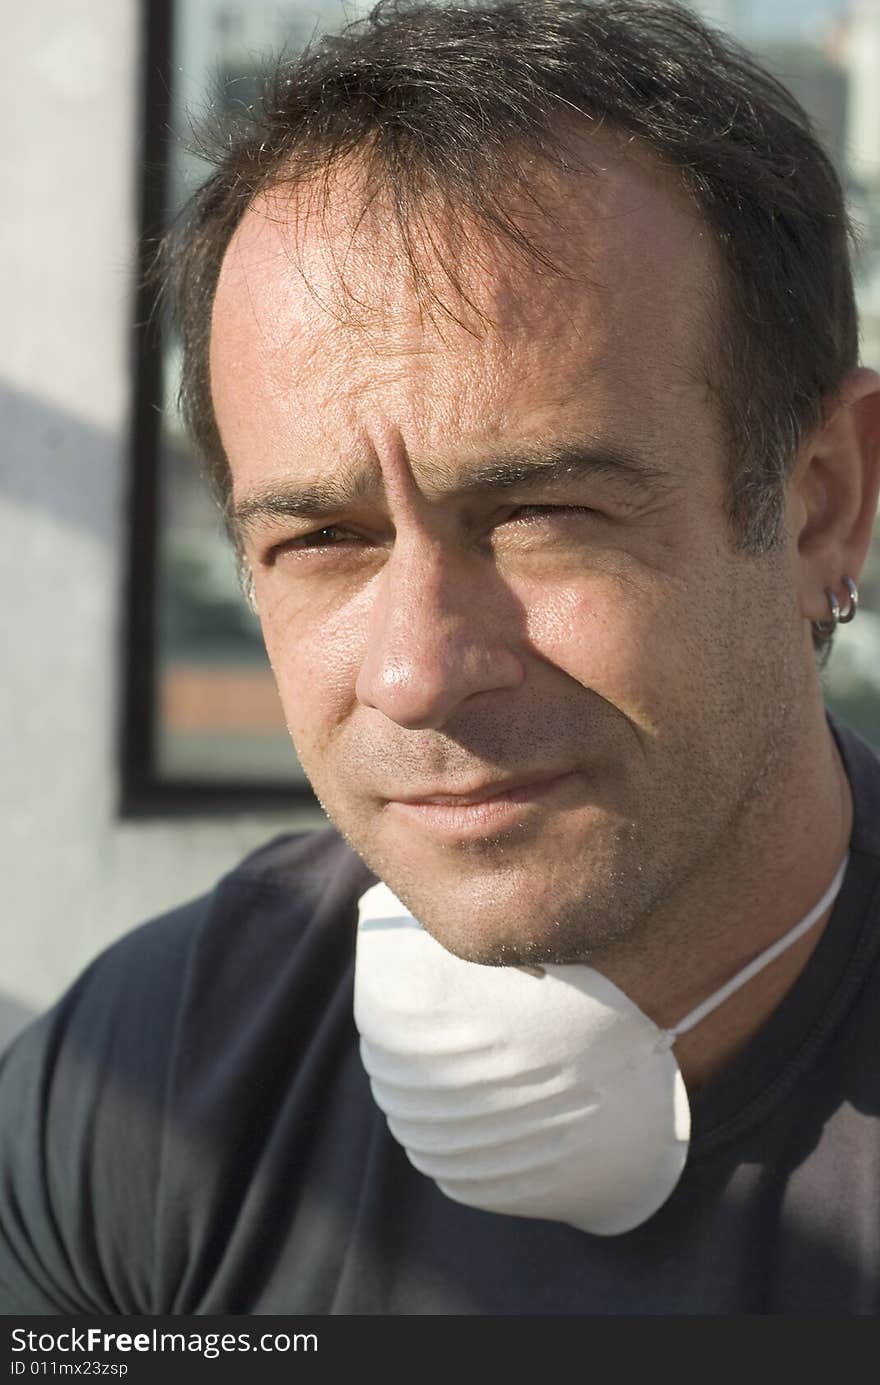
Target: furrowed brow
column 549, row 465
column 316, row 501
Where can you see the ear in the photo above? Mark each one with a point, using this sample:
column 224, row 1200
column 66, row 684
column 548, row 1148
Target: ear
column 834, row 493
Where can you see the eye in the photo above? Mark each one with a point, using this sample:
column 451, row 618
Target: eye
column 528, row 513
column 332, row 536
column 320, row 538
column 542, row 529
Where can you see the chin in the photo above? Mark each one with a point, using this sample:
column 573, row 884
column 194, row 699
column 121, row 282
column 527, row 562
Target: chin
column 517, row 900
column 524, row 930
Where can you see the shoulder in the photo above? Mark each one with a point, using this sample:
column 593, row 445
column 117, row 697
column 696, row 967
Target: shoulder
column 302, row 865
column 284, row 919
column 160, row 1025
column 260, row 914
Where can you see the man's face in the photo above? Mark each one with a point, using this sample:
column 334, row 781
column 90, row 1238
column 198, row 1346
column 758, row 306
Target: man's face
column 524, row 668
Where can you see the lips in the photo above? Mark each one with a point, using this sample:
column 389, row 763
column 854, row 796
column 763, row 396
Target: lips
column 490, row 808
column 483, row 793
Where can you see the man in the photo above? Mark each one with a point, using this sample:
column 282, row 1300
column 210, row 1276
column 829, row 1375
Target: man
column 520, row 342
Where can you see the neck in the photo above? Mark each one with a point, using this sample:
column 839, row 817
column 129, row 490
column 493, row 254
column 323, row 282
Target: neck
column 776, row 865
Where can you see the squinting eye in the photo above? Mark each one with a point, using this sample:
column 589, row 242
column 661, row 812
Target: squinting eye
column 320, row 538
column 527, row 512
column 330, row 537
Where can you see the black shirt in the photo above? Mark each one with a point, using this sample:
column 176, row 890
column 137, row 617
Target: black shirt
column 191, row 1131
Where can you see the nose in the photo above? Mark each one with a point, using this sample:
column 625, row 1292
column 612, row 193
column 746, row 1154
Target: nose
column 441, row 630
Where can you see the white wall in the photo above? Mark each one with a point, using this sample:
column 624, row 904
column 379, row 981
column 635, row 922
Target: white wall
column 74, row 876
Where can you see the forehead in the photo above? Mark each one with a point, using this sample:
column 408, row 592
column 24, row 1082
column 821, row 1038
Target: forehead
column 319, row 315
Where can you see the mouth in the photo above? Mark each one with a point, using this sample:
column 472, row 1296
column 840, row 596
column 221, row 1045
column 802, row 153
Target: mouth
column 490, row 806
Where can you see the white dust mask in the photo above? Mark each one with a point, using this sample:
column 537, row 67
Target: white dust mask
column 537, row 1093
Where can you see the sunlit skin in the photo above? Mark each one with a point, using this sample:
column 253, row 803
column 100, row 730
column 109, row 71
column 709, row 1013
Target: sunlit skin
column 528, row 671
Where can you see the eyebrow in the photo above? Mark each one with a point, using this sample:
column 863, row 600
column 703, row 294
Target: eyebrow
column 539, row 466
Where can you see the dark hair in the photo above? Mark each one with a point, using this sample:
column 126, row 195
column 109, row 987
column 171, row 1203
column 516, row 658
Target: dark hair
column 442, row 100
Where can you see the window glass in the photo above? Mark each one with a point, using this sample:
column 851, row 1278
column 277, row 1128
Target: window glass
column 217, row 715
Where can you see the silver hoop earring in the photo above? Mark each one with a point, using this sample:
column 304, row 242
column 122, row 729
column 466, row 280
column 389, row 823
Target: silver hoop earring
column 826, row 628
column 846, row 616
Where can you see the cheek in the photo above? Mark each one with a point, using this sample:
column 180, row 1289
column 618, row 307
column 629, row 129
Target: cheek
column 626, row 640
column 315, row 658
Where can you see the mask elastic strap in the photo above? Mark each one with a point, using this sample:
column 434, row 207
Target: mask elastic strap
column 762, row 960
